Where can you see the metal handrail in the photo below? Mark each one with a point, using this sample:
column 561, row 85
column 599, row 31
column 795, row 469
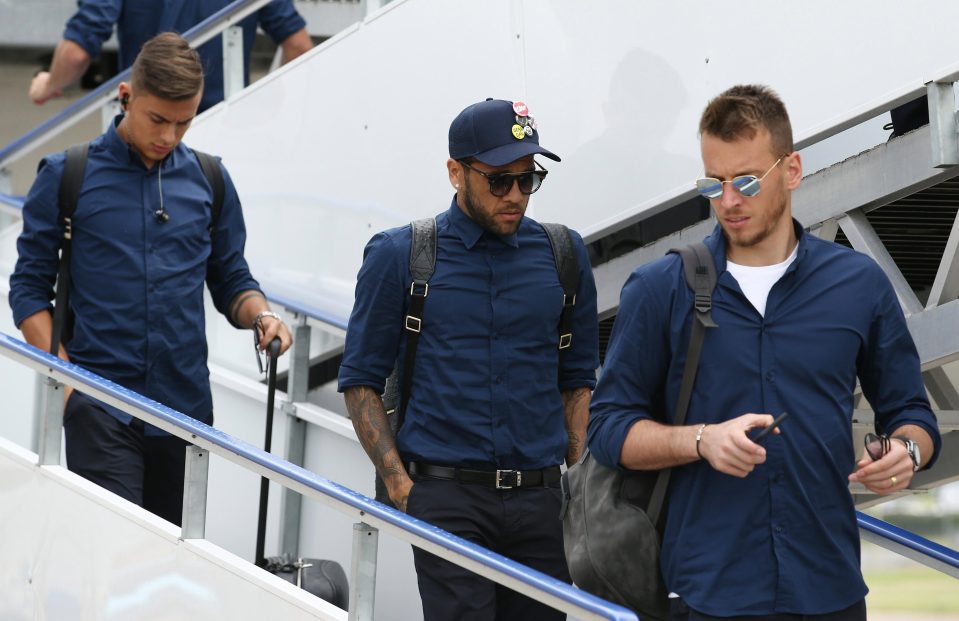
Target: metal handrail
column 910, row 545
column 229, row 15
column 488, row 564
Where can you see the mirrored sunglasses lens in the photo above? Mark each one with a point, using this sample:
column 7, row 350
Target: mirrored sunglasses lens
column 709, row 187
column 874, row 447
column 748, row 185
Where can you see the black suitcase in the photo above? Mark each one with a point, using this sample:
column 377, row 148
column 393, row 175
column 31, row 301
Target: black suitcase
column 321, row 577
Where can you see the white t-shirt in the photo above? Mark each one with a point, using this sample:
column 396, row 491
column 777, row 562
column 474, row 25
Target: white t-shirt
column 757, row 281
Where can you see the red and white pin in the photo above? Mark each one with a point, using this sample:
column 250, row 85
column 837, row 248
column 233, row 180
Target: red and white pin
column 520, row 109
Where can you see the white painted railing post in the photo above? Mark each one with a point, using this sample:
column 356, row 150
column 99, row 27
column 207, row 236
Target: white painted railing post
column 232, row 61
column 51, row 426
column 195, row 480
column 363, row 572
column 297, row 387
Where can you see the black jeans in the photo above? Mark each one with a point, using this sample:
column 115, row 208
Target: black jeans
column 522, row 524
column 146, row 470
column 679, row 611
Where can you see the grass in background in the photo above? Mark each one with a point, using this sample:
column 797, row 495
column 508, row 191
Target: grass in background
column 914, row 589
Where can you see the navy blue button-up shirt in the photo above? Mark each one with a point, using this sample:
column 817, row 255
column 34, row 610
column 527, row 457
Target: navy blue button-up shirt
column 137, row 21
column 784, row 539
column 137, row 284
column 488, row 373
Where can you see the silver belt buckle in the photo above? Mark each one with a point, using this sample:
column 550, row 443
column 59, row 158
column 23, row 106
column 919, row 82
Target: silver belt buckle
column 499, row 479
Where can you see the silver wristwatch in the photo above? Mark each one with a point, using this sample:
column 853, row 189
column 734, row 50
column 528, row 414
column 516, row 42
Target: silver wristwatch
column 913, row 449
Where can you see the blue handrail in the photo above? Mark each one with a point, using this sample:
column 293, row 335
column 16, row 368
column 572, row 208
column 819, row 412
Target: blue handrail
column 196, row 36
column 919, row 547
column 306, row 310
column 286, row 473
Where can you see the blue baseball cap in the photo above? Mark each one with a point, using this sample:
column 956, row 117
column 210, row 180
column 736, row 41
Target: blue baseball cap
column 495, row 132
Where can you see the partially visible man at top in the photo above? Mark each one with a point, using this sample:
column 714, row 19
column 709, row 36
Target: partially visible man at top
column 144, row 242
column 496, row 403
column 137, row 21
column 763, row 530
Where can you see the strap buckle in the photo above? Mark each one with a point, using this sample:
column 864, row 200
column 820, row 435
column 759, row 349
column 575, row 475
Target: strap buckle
column 565, row 340
column 517, row 479
column 68, row 228
column 413, row 324
column 426, row 289
column 569, row 300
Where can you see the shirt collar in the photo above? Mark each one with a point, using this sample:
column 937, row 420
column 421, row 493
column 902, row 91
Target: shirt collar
column 716, row 243
column 470, row 233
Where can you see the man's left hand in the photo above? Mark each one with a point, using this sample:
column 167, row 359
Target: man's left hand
column 271, row 328
column 890, row 474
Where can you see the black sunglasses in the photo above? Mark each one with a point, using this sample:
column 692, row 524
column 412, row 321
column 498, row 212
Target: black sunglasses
column 501, row 183
column 876, row 446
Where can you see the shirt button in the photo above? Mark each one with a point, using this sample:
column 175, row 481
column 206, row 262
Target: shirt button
column 497, row 380
column 779, row 530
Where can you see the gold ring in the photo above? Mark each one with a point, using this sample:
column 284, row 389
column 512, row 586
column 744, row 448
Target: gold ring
column 894, row 480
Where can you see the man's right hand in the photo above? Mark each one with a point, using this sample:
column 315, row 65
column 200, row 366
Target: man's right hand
column 39, row 89
column 727, row 447
column 400, row 493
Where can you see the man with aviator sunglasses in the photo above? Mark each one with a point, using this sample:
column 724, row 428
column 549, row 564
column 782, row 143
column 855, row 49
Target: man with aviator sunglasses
column 497, row 399
column 763, row 529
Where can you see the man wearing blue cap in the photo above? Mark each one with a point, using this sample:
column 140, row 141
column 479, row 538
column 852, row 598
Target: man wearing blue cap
column 494, row 405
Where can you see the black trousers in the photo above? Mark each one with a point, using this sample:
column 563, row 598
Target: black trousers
column 857, row 612
column 522, row 524
column 146, row 470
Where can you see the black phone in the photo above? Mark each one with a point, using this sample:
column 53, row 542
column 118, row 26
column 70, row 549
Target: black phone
column 765, row 431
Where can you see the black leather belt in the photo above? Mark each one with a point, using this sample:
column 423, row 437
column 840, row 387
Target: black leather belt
column 499, row 479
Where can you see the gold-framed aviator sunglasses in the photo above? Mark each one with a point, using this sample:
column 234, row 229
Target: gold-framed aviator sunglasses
column 747, row 185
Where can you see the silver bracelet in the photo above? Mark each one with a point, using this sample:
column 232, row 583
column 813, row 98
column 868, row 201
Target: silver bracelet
column 262, row 314
column 699, row 436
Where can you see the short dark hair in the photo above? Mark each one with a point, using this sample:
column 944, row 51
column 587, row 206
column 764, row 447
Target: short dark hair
column 741, row 111
column 168, row 68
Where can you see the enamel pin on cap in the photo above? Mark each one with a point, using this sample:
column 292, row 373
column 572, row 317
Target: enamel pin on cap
column 518, row 132
column 520, row 109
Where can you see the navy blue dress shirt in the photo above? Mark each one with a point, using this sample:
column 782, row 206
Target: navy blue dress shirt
column 784, row 539
column 137, row 284
column 488, row 371
column 137, row 21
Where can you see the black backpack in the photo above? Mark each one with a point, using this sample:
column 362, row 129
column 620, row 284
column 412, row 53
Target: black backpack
column 74, row 170
column 612, row 519
column 396, row 395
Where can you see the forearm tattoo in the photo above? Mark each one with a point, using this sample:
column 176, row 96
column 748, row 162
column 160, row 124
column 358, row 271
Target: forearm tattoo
column 576, row 412
column 373, row 430
column 238, row 304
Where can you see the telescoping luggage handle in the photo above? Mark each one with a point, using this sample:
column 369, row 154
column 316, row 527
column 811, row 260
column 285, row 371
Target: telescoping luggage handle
column 273, row 353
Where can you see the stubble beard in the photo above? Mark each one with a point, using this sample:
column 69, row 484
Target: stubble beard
column 487, row 221
column 744, row 240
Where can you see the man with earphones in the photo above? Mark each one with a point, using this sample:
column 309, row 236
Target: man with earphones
column 144, row 242
column 136, row 22
column 498, row 396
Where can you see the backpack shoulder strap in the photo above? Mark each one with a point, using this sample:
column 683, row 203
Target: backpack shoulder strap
column 422, row 266
column 567, row 267
column 71, row 182
column 214, row 175
column 700, row 272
